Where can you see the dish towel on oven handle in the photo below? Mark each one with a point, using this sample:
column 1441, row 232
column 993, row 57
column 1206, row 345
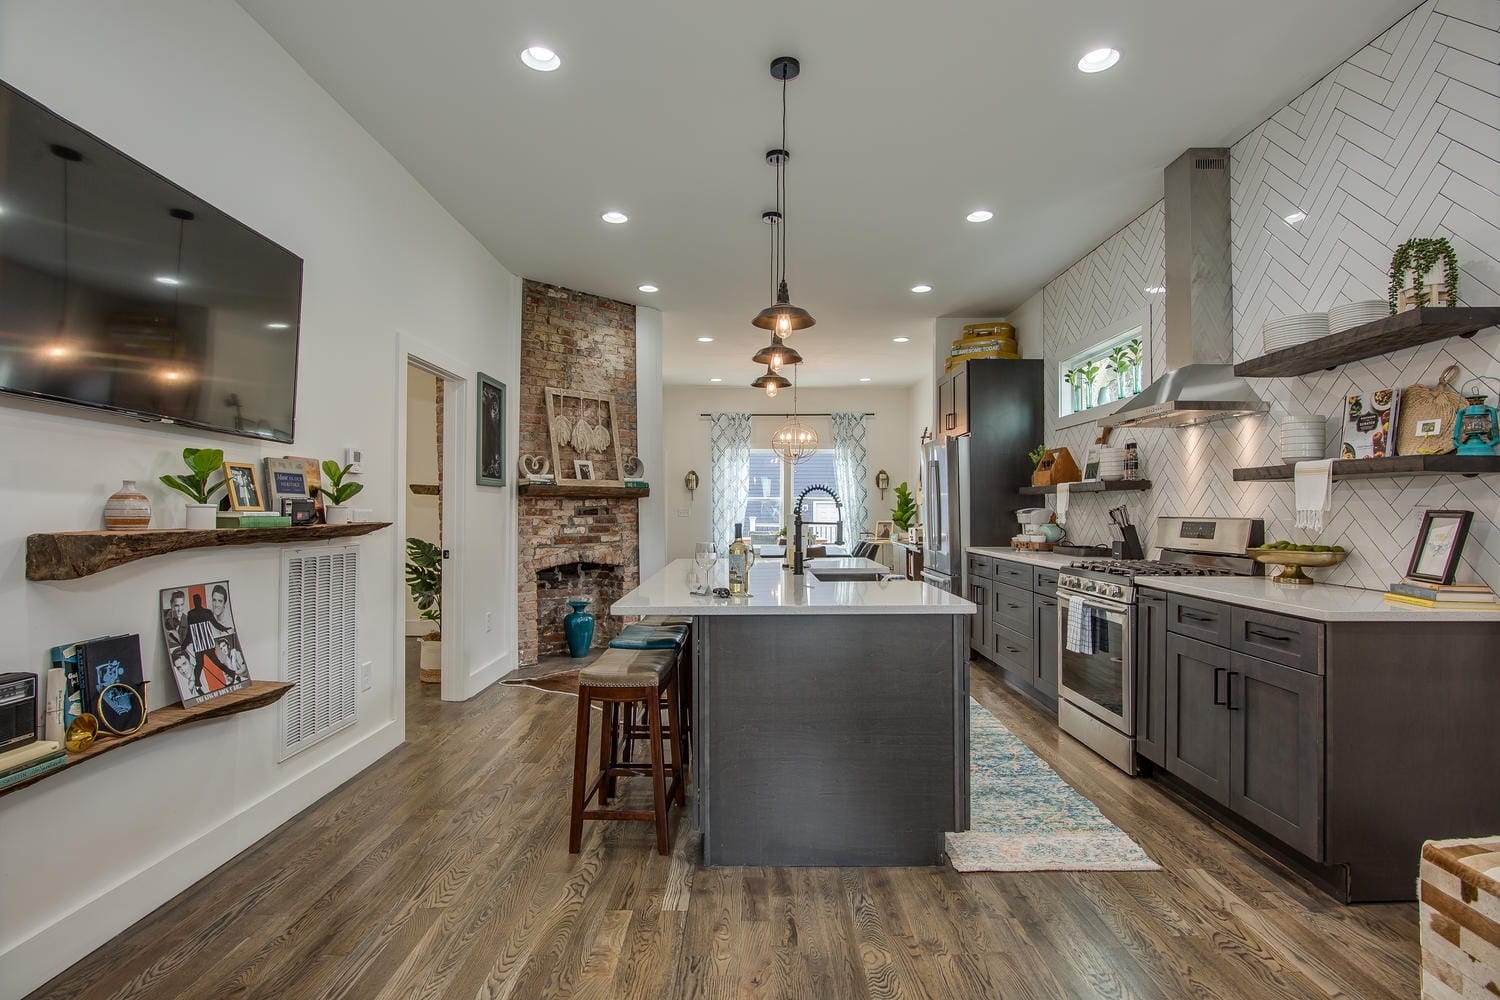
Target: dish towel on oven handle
column 1080, row 626
column 1314, row 488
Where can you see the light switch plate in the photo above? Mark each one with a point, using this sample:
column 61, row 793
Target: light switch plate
column 366, row 675
column 682, row 512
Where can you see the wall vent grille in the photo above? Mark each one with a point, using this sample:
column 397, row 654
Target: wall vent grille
column 320, row 615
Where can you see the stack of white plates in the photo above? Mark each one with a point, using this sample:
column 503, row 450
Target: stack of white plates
column 1352, row 314
column 1289, row 331
column 1111, row 462
column 1302, row 438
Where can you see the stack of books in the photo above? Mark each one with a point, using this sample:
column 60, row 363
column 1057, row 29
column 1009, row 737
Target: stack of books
column 24, row 763
column 253, row 519
column 1448, row 596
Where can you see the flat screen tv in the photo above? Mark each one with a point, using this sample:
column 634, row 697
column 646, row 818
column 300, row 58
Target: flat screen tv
column 119, row 290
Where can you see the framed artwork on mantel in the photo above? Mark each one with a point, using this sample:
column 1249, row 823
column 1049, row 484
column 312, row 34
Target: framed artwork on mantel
column 585, row 437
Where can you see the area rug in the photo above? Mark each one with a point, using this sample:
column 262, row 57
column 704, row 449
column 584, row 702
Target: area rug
column 554, row 678
column 1024, row 818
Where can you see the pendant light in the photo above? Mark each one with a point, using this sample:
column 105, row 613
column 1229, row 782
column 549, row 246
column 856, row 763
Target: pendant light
column 777, row 356
column 794, row 441
column 783, row 317
column 771, row 382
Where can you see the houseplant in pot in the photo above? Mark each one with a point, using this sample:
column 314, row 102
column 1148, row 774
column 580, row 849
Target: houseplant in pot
column 904, row 514
column 340, row 494
column 424, row 578
column 202, row 463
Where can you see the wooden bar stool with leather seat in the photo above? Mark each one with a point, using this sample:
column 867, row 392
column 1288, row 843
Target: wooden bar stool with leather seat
column 661, row 632
column 622, row 678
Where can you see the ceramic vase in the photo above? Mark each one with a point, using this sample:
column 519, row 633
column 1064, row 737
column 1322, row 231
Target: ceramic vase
column 128, row 509
column 579, row 628
column 202, row 516
column 338, row 514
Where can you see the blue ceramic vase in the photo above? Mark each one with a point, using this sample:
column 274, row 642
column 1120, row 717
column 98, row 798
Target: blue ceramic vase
column 579, row 628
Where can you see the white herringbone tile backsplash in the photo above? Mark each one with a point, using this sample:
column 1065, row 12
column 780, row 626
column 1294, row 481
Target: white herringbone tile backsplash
column 1399, row 141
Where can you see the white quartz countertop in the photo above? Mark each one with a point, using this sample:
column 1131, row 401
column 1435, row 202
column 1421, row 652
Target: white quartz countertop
column 1320, row 602
column 1048, row 560
column 774, row 591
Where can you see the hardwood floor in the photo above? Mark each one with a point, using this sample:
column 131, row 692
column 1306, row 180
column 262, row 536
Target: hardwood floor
column 443, row 872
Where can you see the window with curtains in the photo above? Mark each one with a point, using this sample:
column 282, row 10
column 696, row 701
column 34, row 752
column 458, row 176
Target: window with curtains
column 766, row 500
column 774, row 485
column 819, row 511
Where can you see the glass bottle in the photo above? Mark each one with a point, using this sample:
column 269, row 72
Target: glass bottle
column 739, row 563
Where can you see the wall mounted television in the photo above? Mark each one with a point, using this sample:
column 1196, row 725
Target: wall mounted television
column 121, row 291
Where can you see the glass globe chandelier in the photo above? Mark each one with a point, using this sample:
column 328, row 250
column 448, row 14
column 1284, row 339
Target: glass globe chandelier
column 794, row 441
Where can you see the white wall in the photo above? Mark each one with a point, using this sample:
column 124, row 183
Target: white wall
column 196, row 90
column 649, row 442
column 892, row 444
column 421, row 468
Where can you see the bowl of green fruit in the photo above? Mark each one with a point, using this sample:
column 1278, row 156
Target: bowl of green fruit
column 1293, row 558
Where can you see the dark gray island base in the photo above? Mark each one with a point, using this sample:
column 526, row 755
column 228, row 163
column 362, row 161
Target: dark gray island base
column 830, row 740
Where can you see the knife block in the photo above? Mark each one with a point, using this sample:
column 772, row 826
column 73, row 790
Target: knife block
column 1124, row 542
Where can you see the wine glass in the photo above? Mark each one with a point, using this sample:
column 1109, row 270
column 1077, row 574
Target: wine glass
column 705, row 555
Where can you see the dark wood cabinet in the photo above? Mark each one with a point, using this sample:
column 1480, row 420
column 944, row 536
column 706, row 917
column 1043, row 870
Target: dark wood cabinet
column 1151, row 676
column 953, row 403
column 981, row 629
column 946, row 418
column 1276, row 750
column 1197, row 728
column 1044, row 644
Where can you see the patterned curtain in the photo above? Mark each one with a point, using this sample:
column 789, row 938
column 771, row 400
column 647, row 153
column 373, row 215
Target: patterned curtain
column 850, row 457
column 728, row 473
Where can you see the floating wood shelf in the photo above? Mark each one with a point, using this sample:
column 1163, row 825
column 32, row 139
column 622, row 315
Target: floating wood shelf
column 258, row 695
column 1390, row 333
column 1092, row 486
column 70, row 555
column 425, row 489
column 582, row 491
column 1372, row 468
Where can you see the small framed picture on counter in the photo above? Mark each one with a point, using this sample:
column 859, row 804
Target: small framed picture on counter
column 884, row 530
column 1440, row 543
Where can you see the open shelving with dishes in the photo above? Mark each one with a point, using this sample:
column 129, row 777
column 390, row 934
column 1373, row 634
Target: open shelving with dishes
column 583, row 491
column 71, row 555
column 258, row 695
column 1390, row 333
column 1092, row 486
column 1375, row 468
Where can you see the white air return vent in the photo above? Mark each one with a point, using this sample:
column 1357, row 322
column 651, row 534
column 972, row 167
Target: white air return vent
column 320, row 604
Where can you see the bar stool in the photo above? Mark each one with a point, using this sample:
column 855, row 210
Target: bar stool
column 661, row 632
column 624, row 678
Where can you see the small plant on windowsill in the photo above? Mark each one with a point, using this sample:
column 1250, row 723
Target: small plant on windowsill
column 202, row 463
column 904, row 514
column 424, row 578
column 340, row 494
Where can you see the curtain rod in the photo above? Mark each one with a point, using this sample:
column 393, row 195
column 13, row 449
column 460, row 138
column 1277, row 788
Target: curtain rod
column 754, row 415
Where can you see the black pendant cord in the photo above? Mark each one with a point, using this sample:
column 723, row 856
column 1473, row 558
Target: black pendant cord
column 781, row 182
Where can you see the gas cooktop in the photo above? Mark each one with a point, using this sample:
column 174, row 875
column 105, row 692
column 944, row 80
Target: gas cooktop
column 1132, row 568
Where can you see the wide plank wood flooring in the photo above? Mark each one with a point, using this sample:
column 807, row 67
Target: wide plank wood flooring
column 443, row 872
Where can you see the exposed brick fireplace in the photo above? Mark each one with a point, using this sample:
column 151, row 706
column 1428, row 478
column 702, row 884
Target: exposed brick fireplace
column 573, row 547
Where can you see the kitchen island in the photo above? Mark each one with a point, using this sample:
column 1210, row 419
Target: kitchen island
column 830, row 713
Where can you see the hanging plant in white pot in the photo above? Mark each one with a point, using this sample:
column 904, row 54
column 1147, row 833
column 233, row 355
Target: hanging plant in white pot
column 202, row 463
column 335, row 512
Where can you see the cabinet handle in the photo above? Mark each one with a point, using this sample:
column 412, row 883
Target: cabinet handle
column 1229, row 691
column 952, row 421
column 1261, row 634
column 1217, row 672
column 1210, row 619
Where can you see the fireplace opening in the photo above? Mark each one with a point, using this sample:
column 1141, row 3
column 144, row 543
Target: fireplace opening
column 598, row 583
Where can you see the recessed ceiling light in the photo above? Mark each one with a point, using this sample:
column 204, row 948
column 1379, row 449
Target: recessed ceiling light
column 57, row 351
column 705, row 340
column 716, row 380
column 900, row 340
column 1155, row 289
column 167, row 279
column 648, row 288
column 921, row 289
column 982, row 215
column 615, row 218
column 864, row 378
column 540, row 58
column 278, row 326
column 1295, row 218
column 1098, row 60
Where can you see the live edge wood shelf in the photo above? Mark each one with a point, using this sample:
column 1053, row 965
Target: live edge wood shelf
column 258, row 695
column 1390, row 333
column 71, row 555
column 583, row 491
column 1372, row 468
column 1092, row 486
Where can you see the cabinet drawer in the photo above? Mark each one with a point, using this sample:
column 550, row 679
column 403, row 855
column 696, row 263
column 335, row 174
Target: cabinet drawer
column 1044, row 581
column 981, row 566
column 1012, row 650
column 1206, row 621
column 1011, row 607
column 1015, row 574
column 1292, row 642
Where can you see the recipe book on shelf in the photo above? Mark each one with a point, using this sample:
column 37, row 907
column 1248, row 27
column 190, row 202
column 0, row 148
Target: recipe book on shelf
column 1369, row 424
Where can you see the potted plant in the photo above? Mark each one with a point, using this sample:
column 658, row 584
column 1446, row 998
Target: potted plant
column 1037, row 454
column 1416, row 260
column 202, row 512
column 904, row 514
column 340, row 494
column 424, row 578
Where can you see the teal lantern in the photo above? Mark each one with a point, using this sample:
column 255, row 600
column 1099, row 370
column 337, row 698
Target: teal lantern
column 1476, row 430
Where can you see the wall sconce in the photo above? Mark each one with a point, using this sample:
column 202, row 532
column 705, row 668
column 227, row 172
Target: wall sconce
column 691, row 482
column 882, row 482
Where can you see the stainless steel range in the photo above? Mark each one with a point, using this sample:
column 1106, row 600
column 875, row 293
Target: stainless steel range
column 1096, row 639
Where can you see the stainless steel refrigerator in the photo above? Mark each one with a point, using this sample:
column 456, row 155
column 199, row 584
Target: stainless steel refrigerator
column 943, row 539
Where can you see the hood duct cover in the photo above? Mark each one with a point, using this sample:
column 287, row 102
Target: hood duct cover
column 1200, row 383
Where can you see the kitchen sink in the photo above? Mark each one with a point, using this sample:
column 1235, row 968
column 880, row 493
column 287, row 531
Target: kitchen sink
column 835, row 574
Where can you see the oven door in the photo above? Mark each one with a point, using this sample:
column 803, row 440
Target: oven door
column 1096, row 662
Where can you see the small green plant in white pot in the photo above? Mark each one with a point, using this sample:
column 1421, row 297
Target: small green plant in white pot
column 424, row 578
column 340, row 493
column 202, row 463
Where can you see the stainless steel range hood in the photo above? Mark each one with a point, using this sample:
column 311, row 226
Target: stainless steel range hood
column 1200, row 383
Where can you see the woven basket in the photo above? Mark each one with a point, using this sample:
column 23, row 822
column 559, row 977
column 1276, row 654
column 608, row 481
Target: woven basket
column 1423, row 404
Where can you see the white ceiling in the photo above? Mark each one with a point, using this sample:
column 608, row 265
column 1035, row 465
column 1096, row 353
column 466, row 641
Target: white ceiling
column 905, row 118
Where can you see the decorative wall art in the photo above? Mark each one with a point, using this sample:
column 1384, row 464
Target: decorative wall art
column 585, row 436
column 489, row 467
column 203, row 645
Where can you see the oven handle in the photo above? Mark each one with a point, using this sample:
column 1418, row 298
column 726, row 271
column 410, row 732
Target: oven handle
column 1093, row 601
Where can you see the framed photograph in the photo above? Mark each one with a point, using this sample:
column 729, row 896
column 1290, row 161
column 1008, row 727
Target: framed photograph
column 884, row 529
column 581, row 427
column 1440, row 542
column 489, row 463
column 312, row 471
column 244, row 486
column 583, row 470
column 203, row 645
column 286, row 479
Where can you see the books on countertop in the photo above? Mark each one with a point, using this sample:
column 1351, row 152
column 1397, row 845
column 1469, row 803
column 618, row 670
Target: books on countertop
column 1419, row 602
column 1466, row 595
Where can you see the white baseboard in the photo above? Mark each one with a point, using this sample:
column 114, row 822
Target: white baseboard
column 29, row 963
